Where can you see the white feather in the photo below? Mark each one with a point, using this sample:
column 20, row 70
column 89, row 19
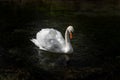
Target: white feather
column 53, row 41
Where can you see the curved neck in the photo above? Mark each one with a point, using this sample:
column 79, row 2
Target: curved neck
column 68, row 47
column 67, row 38
column 67, row 41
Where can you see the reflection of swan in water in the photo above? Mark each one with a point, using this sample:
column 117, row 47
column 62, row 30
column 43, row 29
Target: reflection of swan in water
column 52, row 40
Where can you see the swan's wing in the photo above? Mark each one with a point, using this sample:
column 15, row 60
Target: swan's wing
column 50, row 39
column 60, row 38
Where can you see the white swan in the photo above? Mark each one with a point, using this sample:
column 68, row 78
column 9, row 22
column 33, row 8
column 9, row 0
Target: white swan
column 51, row 40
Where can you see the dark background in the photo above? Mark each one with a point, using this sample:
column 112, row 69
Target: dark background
column 96, row 39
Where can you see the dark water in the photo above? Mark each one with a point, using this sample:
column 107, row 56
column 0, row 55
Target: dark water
column 96, row 38
column 95, row 42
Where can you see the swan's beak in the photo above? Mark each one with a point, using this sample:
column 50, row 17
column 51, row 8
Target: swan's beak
column 71, row 35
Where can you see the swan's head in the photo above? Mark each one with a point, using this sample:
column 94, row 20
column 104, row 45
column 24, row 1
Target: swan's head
column 70, row 29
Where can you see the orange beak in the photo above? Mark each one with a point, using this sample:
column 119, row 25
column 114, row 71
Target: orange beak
column 71, row 35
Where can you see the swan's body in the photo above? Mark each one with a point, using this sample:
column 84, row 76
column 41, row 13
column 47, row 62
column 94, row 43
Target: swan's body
column 52, row 40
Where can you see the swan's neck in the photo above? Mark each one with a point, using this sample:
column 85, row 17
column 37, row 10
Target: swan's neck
column 67, row 38
column 68, row 47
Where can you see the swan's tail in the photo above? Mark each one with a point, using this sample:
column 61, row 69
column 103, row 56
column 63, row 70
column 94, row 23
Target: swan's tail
column 35, row 42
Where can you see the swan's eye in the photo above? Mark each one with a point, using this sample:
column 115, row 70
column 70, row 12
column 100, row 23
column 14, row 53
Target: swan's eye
column 72, row 30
